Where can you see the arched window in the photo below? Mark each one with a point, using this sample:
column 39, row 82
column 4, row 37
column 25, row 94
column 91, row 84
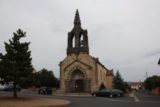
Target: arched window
column 81, row 41
column 73, row 42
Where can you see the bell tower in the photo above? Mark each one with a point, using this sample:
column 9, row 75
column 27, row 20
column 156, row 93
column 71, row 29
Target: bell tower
column 77, row 38
column 79, row 71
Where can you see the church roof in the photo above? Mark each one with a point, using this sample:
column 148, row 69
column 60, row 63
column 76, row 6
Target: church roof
column 108, row 72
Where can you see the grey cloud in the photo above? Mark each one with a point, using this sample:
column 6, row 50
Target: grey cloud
column 153, row 53
column 124, row 34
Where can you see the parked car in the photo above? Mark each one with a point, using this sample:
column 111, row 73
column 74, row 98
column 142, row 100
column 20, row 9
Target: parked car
column 105, row 93
column 118, row 92
column 45, row 90
column 11, row 88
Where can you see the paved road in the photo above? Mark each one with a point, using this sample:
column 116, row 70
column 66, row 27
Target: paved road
column 110, row 102
column 89, row 101
column 144, row 97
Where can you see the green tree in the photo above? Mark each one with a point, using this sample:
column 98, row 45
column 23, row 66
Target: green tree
column 28, row 82
column 118, row 82
column 16, row 64
column 127, row 86
column 152, row 82
column 47, row 78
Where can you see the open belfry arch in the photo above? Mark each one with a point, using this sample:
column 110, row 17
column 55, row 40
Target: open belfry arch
column 77, row 38
column 79, row 71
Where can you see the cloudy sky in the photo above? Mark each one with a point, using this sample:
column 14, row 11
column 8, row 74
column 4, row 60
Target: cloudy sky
column 123, row 34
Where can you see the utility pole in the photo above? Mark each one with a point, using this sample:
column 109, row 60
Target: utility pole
column 159, row 62
column 146, row 74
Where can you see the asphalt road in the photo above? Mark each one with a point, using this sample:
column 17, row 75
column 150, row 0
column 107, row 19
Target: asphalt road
column 144, row 100
column 145, row 97
column 114, row 102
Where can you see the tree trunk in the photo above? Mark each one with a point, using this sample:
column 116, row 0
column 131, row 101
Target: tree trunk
column 14, row 90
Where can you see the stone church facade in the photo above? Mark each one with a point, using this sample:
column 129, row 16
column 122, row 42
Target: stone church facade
column 79, row 71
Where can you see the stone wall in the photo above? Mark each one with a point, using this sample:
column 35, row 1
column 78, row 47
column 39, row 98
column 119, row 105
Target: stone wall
column 94, row 73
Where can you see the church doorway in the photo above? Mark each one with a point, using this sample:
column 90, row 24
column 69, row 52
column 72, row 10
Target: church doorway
column 79, row 86
column 78, row 78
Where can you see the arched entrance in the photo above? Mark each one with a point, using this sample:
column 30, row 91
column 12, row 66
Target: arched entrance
column 77, row 78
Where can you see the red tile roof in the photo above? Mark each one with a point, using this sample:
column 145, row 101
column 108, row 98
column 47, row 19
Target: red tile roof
column 136, row 83
column 109, row 73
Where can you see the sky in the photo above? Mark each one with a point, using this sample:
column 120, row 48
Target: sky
column 123, row 34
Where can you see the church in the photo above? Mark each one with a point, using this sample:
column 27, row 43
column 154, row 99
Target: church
column 79, row 71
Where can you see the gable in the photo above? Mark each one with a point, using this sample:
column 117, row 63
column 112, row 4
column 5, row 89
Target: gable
column 80, row 62
column 84, row 59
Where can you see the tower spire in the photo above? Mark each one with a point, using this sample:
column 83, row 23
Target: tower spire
column 77, row 20
column 77, row 38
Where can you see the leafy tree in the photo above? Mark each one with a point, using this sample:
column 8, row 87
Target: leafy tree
column 152, row 82
column 41, row 78
column 102, row 87
column 46, row 78
column 15, row 64
column 118, row 82
column 28, row 82
column 127, row 86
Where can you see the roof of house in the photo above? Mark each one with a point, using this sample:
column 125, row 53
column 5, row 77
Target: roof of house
column 136, row 83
